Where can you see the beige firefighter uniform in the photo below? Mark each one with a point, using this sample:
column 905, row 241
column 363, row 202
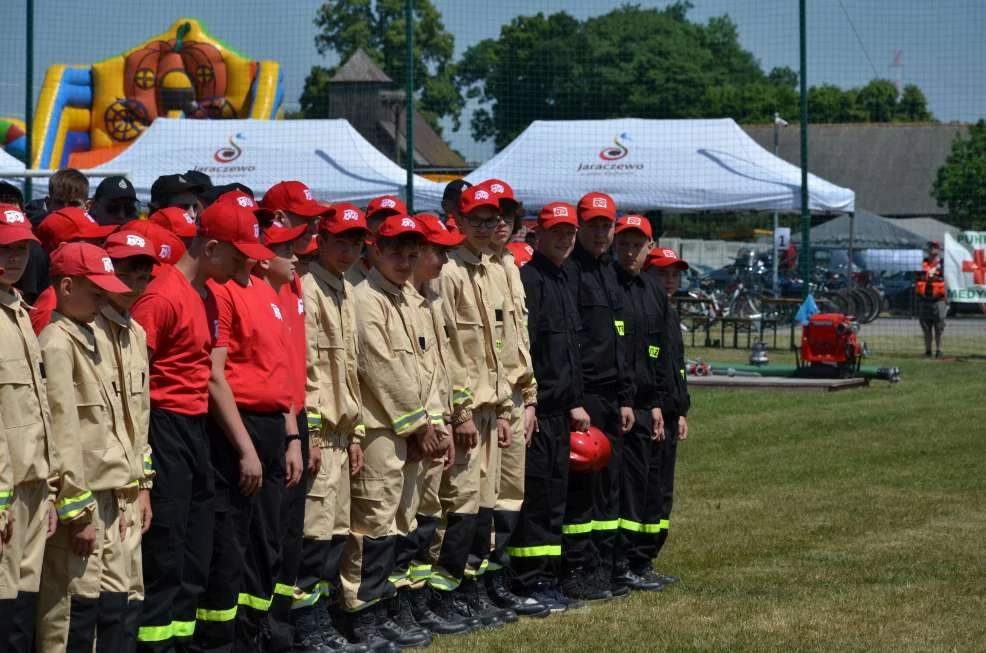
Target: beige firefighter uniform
column 99, row 477
column 515, row 354
column 334, row 408
column 394, row 396
column 127, row 340
column 473, row 305
column 420, row 509
column 32, row 455
column 358, row 273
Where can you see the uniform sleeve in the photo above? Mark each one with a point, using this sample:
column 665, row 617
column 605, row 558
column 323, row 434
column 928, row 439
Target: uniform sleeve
column 73, row 499
column 663, row 383
column 528, row 384
column 626, row 389
column 225, row 314
column 385, row 376
column 156, row 315
column 455, row 363
column 313, row 376
column 437, row 404
column 6, row 478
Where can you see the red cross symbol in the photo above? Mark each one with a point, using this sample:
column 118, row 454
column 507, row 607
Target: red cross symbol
column 977, row 266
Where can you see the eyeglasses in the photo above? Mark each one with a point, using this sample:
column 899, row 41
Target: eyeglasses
column 478, row 223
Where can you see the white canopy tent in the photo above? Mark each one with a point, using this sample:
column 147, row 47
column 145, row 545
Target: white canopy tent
column 672, row 165
column 10, row 164
column 330, row 156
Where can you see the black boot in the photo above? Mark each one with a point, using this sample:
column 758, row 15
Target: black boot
column 372, row 627
column 479, row 600
column 307, row 635
column 330, row 638
column 428, row 618
column 626, row 576
column 443, row 605
column 501, row 595
column 604, row 577
column 580, row 584
column 458, row 601
column 397, row 624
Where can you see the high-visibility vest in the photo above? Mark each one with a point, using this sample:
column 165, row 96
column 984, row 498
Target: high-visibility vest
column 931, row 280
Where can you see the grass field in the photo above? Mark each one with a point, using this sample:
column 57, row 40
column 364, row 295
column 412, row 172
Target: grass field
column 852, row 521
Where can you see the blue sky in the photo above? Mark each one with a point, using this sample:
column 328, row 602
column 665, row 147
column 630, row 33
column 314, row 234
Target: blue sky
column 943, row 44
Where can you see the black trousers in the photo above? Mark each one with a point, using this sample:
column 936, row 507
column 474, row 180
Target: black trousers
column 247, row 539
column 536, row 546
column 292, row 530
column 176, row 549
column 592, row 512
column 660, row 492
column 638, row 478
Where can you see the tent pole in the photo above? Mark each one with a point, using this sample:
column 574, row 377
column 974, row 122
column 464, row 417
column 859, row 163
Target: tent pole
column 409, row 127
column 805, row 215
column 852, row 243
column 777, row 223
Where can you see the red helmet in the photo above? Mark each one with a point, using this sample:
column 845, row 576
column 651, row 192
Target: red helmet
column 590, row 450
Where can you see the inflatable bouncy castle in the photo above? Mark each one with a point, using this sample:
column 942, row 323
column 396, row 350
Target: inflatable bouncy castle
column 87, row 115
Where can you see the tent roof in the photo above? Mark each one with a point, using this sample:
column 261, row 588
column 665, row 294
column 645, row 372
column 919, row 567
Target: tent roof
column 336, row 162
column 673, row 165
column 927, row 228
column 871, row 232
column 10, row 163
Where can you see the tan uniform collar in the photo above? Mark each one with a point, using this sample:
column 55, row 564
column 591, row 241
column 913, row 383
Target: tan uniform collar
column 81, row 333
column 334, row 282
column 381, row 282
column 9, row 297
column 471, row 258
column 116, row 317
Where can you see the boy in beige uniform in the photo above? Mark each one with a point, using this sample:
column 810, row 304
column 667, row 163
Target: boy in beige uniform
column 421, row 509
column 27, row 426
column 515, row 355
column 473, row 306
column 394, row 395
column 334, row 410
column 134, row 257
column 86, row 577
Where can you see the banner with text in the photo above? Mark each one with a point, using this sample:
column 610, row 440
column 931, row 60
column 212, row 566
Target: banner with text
column 965, row 267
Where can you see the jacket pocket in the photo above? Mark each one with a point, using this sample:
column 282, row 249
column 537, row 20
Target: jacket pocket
column 19, row 402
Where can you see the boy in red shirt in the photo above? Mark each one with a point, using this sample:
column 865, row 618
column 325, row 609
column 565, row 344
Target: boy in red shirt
column 178, row 312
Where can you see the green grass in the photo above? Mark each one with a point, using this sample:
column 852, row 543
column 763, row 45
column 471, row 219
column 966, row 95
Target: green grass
column 850, row 521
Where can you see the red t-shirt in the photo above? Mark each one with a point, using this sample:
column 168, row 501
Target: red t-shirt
column 293, row 309
column 180, row 325
column 252, row 328
column 44, row 306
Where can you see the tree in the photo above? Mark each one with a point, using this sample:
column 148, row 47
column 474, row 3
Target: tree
column 879, row 100
column 960, row 184
column 913, row 106
column 378, row 27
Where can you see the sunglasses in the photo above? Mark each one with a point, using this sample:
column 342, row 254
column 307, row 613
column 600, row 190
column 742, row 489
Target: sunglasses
column 488, row 223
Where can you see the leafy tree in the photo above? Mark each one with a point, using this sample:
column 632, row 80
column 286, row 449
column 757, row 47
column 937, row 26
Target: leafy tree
column 378, row 27
column 879, row 100
column 960, row 184
column 913, row 106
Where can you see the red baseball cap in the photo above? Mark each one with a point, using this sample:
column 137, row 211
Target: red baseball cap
column 638, row 222
column 557, row 213
column 385, row 205
column 522, row 252
column 89, row 261
column 14, row 226
column 476, row 196
column 503, row 192
column 597, row 205
column 176, row 220
column 127, row 244
column 277, row 233
column 309, row 247
column 343, row 217
column 292, row 197
column 169, row 246
column 246, row 201
column 663, row 257
column 68, row 224
column 437, row 233
column 398, row 225
column 231, row 219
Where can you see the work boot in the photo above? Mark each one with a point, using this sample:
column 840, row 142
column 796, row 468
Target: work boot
column 372, row 625
column 442, row 605
column 332, row 639
column 501, row 595
column 397, row 619
column 480, row 601
column 665, row 578
column 307, row 634
column 580, row 584
column 626, row 576
column 437, row 624
column 459, row 601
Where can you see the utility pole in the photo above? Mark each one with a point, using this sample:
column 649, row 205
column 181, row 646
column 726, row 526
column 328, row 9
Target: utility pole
column 805, row 215
column 409, row 126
